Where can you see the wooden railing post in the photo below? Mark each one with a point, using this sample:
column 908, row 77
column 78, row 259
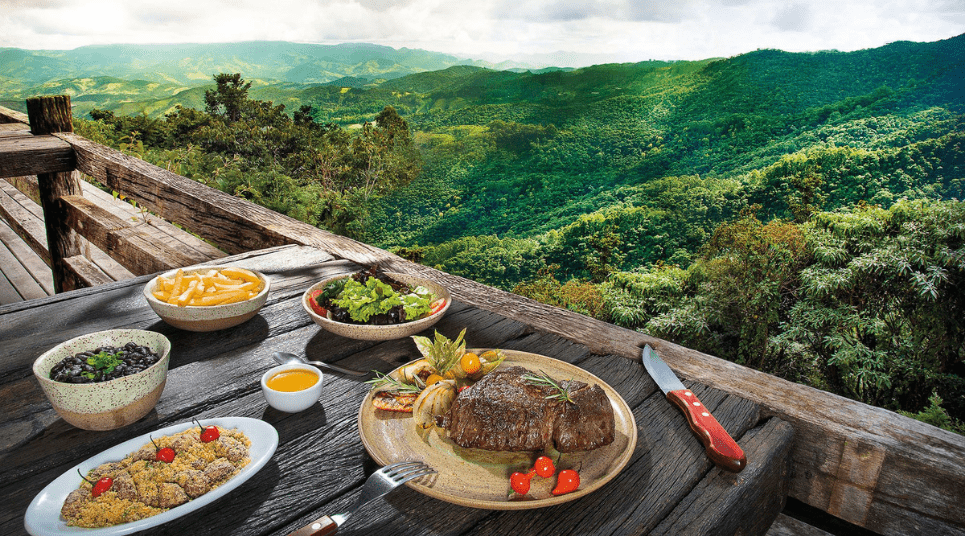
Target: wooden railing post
column 48, row 115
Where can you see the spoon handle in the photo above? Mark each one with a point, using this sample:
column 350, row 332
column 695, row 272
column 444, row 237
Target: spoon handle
column 285, row 358
column 337, row 368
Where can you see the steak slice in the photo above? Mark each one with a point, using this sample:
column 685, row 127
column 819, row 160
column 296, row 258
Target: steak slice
column 504, row 412
column 585, row 424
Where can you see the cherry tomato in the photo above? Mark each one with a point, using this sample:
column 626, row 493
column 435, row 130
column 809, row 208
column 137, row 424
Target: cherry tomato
column 433, row 378
column 100, row 486
column 568, row 481
column 544, row 466
column 165, row 454
column 436, row 306
column 208, row 433
column 519, row 482
column 313, row 303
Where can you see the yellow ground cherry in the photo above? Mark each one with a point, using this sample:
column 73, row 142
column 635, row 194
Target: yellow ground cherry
column 470, row 363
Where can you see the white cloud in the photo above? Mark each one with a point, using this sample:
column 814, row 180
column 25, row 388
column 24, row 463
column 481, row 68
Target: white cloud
column 621, row 30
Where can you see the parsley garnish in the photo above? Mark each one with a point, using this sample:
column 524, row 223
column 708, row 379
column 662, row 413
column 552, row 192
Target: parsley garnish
column 104, row 362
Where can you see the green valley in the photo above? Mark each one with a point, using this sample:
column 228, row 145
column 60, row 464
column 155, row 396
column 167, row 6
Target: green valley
column 799, row 213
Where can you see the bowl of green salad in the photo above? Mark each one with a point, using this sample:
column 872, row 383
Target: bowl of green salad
column 376, row 305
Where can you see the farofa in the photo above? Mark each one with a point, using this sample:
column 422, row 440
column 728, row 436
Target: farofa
column 144, row 487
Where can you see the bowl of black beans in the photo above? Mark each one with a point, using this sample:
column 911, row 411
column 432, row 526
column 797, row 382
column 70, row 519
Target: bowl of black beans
column 105, row 380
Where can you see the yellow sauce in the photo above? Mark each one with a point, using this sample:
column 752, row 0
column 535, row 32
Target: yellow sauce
column 290, row 381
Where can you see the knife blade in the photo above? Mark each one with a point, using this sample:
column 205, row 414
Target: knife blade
column 720, row 446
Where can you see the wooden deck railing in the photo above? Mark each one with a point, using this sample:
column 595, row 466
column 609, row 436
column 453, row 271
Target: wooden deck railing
column 865, row 465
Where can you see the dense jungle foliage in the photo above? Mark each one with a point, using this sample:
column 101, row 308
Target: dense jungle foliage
column 796, row 213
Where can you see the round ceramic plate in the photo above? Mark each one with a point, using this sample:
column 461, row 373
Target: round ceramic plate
column 480, row 478
column 43, row 515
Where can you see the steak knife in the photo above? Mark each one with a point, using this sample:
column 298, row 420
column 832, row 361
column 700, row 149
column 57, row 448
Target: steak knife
column 720, row 446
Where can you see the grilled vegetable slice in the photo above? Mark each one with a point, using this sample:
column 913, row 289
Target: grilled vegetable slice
column 397, row 402
column 434, row 400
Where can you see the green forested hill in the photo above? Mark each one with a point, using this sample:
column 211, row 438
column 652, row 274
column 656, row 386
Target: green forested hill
column 796, row 212
column 619, row 126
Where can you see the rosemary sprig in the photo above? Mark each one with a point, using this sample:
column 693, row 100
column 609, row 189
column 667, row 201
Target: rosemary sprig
column 394, row 385
column 543, row 380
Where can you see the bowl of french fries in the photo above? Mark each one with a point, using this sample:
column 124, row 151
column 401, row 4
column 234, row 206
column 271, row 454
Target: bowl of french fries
column 207, row 298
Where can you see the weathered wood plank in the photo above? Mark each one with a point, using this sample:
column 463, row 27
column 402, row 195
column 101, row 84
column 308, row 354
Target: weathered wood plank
column 15, row 271
column 747, row 503
column 160, row 230
column 136, row 251
column 195, row 248
column 13, row 129
column 788, row 526
column 28, row 226
column 27, row 185
column 13, row 116
column 83, row 273
column 8, row 294
column 34, row 155
column 29, row 259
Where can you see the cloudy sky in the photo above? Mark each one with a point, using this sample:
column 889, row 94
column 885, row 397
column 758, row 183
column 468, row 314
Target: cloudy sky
column 568, row 30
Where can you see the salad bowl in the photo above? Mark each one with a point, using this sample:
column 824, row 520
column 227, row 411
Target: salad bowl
column 382, row 332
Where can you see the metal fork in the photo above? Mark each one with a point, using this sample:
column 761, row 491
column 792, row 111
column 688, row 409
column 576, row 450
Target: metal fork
column 381, row 482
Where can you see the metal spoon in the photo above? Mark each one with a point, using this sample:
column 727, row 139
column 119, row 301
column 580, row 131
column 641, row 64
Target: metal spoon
column 283, row 358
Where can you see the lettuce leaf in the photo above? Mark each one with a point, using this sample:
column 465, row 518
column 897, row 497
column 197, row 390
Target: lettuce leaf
column 375, row 297
column 365, row 301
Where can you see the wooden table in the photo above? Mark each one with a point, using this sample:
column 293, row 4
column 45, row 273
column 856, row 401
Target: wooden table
column 668, row 487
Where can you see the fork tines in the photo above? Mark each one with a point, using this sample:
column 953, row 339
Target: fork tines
column 406, row 471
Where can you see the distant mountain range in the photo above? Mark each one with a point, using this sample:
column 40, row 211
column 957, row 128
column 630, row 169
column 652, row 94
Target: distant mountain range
column 191, row 64
column 153, row 79
column 137, row 78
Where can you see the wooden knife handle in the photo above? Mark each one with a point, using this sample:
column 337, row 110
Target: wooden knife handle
column 320, row 527
column 721, row 447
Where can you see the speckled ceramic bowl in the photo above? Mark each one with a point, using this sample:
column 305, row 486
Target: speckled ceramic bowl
column 210, row 317
column 112, row 404
column 380, row 333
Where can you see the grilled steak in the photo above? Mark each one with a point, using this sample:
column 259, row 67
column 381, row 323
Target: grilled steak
column 503, row 411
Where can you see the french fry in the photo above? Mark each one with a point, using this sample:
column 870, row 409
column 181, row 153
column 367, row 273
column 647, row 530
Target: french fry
column 223, row 298
column 178, row 288
column 241, row 273
column 184, row 297
column 164, row 284
column 248, row 285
